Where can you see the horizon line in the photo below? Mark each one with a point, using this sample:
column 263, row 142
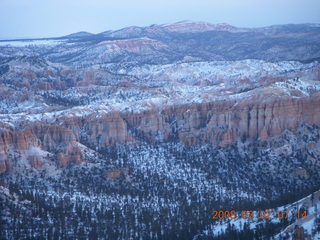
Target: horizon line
column 146, row 26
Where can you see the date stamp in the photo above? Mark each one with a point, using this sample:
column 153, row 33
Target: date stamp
column 257, row 214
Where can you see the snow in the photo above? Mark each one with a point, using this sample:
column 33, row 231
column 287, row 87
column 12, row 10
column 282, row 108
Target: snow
column 303, row 86
column 216, row 71
column 181, row 94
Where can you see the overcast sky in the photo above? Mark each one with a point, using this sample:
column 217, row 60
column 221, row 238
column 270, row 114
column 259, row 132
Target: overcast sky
column 44, row 18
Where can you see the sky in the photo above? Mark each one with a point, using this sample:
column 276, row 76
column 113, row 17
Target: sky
column 52, row 18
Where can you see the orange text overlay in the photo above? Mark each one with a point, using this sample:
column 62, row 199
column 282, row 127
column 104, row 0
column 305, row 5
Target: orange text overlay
column 257, row 214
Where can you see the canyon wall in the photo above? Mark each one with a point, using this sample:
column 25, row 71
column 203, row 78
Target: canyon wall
column 224, row 122
column 218, row 123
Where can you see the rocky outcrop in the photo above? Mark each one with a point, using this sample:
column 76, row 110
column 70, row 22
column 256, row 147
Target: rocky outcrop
column 108, row 130
column 219, row 123
column 4, row 163
column 58, row 140
column 35, row 161
column 71, row 155
column 225, row 122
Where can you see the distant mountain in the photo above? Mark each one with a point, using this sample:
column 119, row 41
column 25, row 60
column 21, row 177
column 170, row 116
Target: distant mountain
column 200, row 41
column 78, row 35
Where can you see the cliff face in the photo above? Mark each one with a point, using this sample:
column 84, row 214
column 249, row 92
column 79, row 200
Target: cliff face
column 51, row 139
column 218, row 123
column 225, row 122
